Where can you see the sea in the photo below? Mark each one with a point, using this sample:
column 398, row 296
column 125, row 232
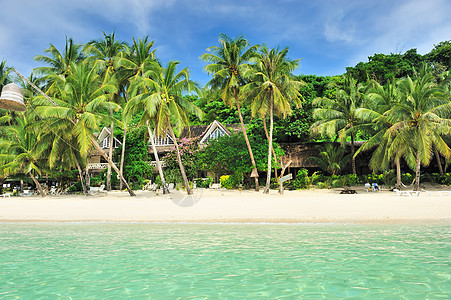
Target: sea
column 224, row 261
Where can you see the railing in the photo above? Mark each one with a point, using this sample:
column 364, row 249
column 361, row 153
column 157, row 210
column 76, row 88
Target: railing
column 101, row 166
column 154, row 163
column 97, row 166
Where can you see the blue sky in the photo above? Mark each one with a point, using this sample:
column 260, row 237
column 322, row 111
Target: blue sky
column 328, row 35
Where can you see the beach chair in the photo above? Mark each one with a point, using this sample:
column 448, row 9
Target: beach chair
column 6, row 195
column 438, row 193
column 406, row 193
column 96, row 189
column 26, row 193
column 368, row 187
column 376, row 188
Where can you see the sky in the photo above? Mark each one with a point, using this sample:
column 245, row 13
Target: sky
column 328, row 35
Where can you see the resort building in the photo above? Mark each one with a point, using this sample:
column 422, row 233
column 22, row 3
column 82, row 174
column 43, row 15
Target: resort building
column 204, row 133
column 96, row 162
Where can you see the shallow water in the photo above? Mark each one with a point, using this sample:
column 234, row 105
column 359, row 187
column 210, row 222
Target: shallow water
column 111, row 260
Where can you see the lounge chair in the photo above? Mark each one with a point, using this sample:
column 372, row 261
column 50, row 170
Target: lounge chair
column 97, row 189
column 6, row 195
column 26, row 193
column 438, row 193
column 406, row 193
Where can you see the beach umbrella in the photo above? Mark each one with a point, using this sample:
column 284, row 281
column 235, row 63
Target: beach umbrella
column 12, row 98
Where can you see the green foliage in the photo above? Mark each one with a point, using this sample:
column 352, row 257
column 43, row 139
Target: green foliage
column 382, row 68
column 332, row 158
column 229, row 155
column 295, row 128
column 136, row 158
column 204, row 182
column 189, row 149
column 302, row 180
column 407, row 178
column 441, row 55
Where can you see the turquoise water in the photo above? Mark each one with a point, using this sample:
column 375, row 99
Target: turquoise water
column 161, row 261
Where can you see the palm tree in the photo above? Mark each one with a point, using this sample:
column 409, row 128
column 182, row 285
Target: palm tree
column 81, row 106
column 23, row 151
column 339, row 116
column 422, row 119
column 162, row 98
column 59, row 63
column 331, row 159
column 374, row 115
column 272, row 90
column 106, row 53
column 228, row 63
column 136, row 59
column 4, row 74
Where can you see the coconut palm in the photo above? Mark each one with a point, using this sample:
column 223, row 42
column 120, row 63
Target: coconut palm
column 421, row 119
column 331, row 159
column 228, row 63
column 339, row 116
column 4, row 74
column 162, row 100
column 273, row 90
column 105, row 53
column 23, row 151
column 81, row 107
column 59, row 63
column 133, row 62
column 380, row 100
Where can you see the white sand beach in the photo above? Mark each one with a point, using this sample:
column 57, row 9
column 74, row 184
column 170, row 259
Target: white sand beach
column 230, row 206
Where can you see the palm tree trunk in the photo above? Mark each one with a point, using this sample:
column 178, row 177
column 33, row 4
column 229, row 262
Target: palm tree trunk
column 398, row 173
column 97, row 146
column 352, row 154
column 437, row 156
column 110, row 155
column 121, row 167
column 82, row 179
column 247, row 141
column 273, row 152
column 157, row 159
column 271, row 126
column 38, row 185
column 88, row 179
column 417, row 173
column 179, row 160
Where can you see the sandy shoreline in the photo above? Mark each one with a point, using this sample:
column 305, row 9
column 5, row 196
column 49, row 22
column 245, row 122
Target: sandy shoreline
column 223, row 206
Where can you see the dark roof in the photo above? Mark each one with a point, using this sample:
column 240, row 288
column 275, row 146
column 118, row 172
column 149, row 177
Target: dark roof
column 193, row 131
column 199, row 130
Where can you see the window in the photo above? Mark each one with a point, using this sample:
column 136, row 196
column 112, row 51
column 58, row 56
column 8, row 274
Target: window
column 216, row 134
column 106, row 142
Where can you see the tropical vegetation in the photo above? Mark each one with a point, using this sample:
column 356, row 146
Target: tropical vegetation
column 396, row 108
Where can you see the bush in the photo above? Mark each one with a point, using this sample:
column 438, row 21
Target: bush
column 407, row 178
column 302, row 180
column 226, row 181
column 204, row 183
column 351, row 179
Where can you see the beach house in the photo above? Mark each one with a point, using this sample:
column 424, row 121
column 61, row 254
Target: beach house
column 96, row 162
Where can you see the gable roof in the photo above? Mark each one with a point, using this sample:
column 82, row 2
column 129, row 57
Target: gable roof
column 106, row 132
